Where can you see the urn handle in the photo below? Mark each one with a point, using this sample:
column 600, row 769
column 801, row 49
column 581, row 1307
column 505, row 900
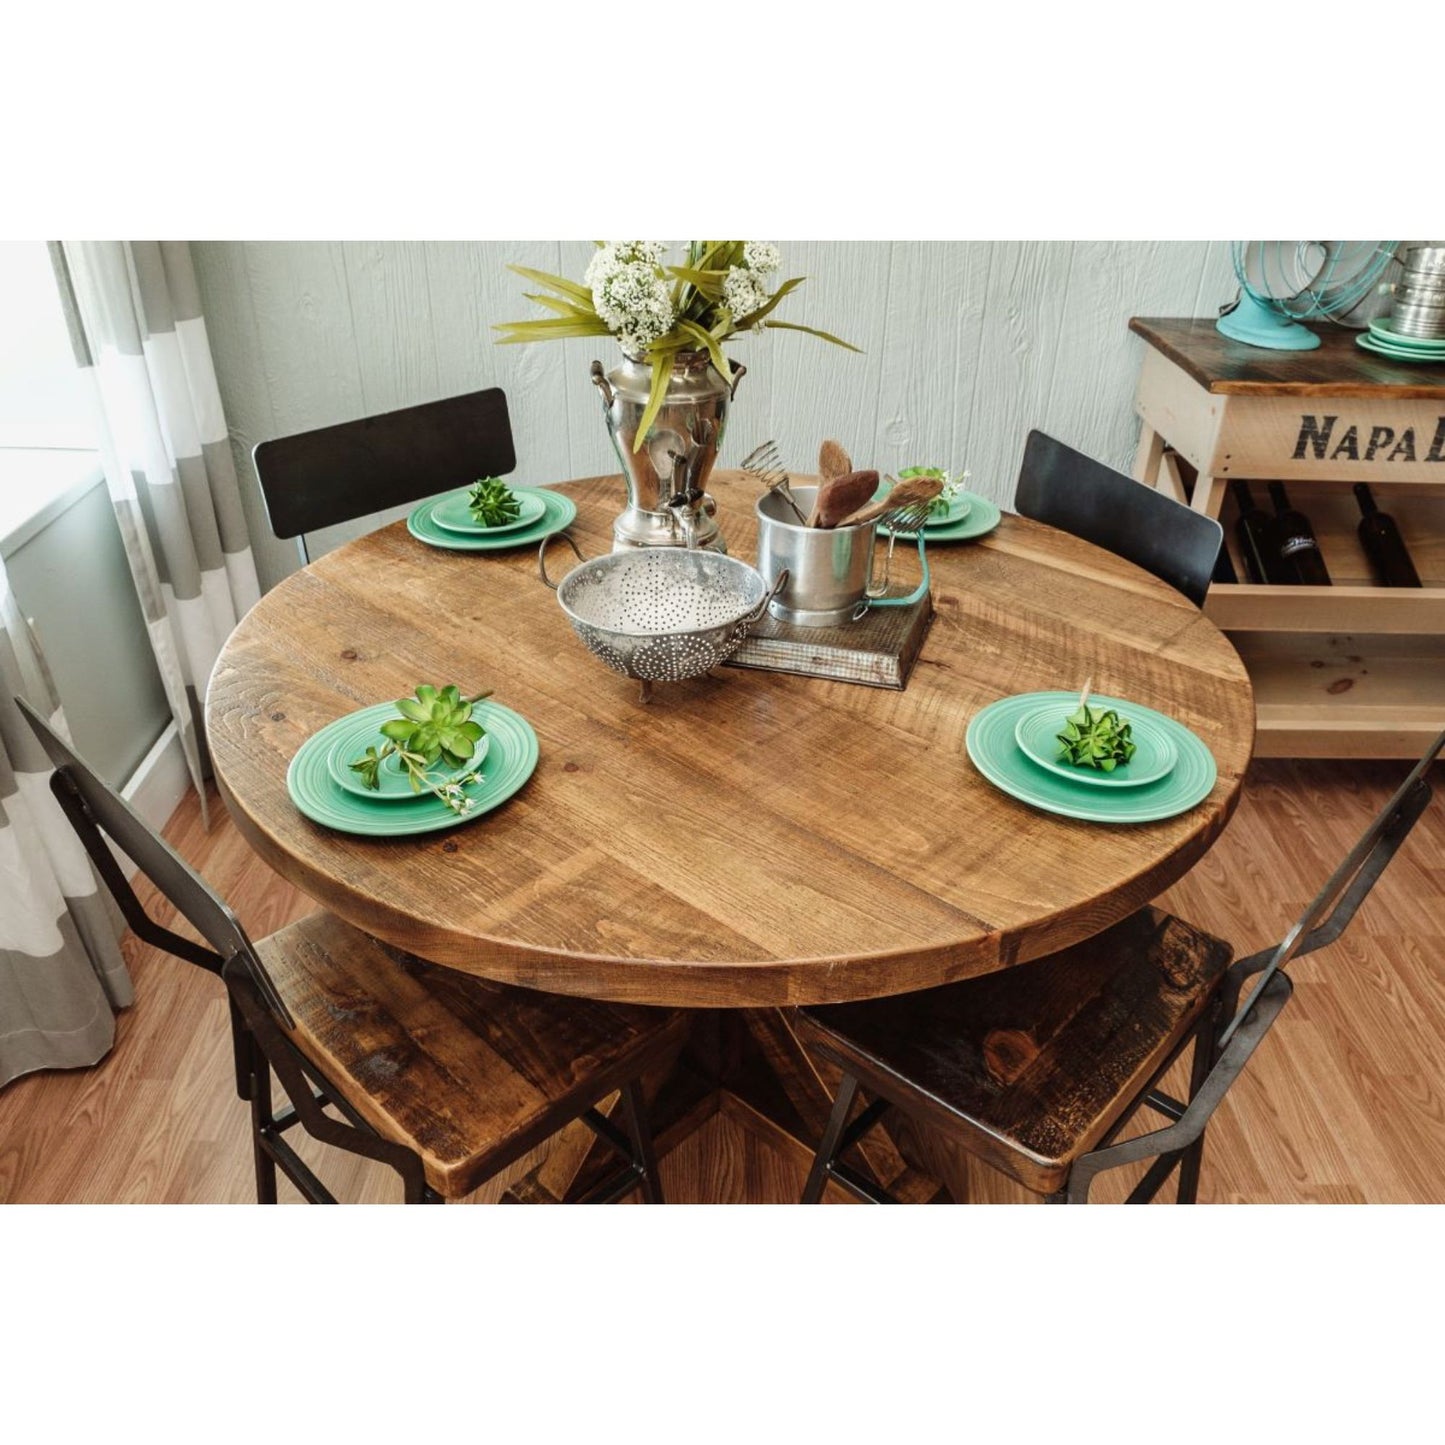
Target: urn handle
column 739, row 371
column 599, row 380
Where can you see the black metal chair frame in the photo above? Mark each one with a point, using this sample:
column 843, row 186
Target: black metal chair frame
column 1066, row 489
column 259, row 1016
column 332, row 474
column 1220, row 1053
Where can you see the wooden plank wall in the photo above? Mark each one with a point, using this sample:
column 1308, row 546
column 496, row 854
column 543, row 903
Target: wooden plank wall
column 966, row 345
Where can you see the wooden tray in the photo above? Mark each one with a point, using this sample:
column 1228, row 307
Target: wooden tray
column 879, row 650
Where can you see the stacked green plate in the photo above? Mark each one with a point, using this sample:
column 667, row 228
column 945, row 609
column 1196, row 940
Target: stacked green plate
column 969, row 516
column 980, row 519
column 311, row 780
column 993, row 745
column 557, row 511
column 1382, row 341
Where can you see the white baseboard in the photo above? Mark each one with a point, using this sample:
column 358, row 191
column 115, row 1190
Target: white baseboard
column 158, row 785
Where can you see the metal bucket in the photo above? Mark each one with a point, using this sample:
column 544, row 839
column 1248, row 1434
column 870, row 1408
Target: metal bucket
column 827, row 570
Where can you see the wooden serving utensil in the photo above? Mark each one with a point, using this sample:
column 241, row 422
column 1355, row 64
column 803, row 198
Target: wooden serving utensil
column 833, row 461
column 838, row 496
column 903, row 494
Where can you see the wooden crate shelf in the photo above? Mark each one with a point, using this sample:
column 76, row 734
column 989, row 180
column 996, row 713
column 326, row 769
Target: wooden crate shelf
column 1345, row 695
column 1351, row 670
column 1243, row 607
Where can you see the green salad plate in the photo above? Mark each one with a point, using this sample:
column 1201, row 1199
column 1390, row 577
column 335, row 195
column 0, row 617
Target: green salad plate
column 510, row 760
column 955, row 510
column 992, row 743
column 557, row 511
column 1154, row 749
column 393, row 783
column 453, row 513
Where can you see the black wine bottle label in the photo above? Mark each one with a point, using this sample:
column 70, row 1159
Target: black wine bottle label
column 1292, row 546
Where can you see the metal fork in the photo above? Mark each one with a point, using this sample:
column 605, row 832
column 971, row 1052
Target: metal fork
column 766, row 466
column 909, row 522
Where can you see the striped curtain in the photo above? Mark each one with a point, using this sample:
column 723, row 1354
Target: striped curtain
column 61, row 973
column 136, row 325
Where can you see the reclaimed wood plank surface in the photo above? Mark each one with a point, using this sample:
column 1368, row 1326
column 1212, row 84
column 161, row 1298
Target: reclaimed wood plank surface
column 750, row 839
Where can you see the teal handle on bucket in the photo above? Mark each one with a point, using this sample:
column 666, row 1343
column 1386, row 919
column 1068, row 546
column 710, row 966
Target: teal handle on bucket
column 918, row 593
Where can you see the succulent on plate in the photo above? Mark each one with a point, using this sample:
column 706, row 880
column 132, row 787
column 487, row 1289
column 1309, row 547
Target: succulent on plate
column 434, row 727
column 493, row 502
column 1096, row 738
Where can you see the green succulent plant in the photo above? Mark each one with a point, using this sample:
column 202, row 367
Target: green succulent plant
column 1096, row 739
column 433, row 727
column 493, row 502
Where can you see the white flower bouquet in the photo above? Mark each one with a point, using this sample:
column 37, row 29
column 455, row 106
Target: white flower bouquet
column 656, row 310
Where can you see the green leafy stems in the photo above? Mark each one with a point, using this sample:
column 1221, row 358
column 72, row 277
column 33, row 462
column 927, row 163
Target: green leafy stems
column 492, row 502
column 433, row 727
column 1096, row 739
column 702, row 319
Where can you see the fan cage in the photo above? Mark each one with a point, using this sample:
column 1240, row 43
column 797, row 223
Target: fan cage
column 1303, row 279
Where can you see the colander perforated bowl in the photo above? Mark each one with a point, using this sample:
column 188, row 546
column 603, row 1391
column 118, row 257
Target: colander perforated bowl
column 661, row 614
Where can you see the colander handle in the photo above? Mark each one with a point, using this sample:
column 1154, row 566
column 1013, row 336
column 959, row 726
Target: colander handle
column 542, row 555
column 762, row 606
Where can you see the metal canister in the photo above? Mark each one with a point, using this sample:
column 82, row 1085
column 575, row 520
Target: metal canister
column 1419, row 294
column 828, row 568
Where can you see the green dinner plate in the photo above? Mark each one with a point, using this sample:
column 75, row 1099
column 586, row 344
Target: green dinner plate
column 1398, row 352
column 510, row 761
column 453, row 513
column 1380, row 330
column 993, row 745
column 559, row 511
column 395, row 786
column 983, row 516
column 1155, row 751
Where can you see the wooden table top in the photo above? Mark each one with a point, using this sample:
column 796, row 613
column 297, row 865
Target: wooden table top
column 1336, row 368
column 748, row 838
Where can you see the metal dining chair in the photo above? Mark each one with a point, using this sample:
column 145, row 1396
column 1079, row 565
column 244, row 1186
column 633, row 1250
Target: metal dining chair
column 1076, row 494
column 334, row 474
column 445, row 1078
column 1037, row 1069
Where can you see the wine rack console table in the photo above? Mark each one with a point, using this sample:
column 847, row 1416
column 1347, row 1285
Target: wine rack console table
column 1349, row 670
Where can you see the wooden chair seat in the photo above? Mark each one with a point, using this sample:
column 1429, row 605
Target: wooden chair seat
column 467, row 1074
column 1032, row 1066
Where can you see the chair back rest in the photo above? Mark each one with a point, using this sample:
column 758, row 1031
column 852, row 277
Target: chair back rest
column 1332, row 908
column 1076, row 494
column 93, row 809
column 338, row 473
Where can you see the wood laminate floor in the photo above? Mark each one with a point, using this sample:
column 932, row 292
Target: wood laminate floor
column 1345, row 1101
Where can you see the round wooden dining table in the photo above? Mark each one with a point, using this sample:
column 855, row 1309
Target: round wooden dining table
column 747, row 840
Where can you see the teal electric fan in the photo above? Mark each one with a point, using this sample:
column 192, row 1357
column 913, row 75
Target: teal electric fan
column 1282, row 283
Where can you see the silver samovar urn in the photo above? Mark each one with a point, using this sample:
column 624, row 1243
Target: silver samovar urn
column 667, row 500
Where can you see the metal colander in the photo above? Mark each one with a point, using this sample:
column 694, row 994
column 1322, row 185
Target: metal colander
column 661, row 614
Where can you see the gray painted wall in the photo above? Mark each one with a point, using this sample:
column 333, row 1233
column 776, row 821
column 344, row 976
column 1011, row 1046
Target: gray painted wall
column 71, row 578
column 967, row 345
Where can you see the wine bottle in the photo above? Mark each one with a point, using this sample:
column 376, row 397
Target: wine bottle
column 1298, row 546
column 1383, row 544
column 1257, row 535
